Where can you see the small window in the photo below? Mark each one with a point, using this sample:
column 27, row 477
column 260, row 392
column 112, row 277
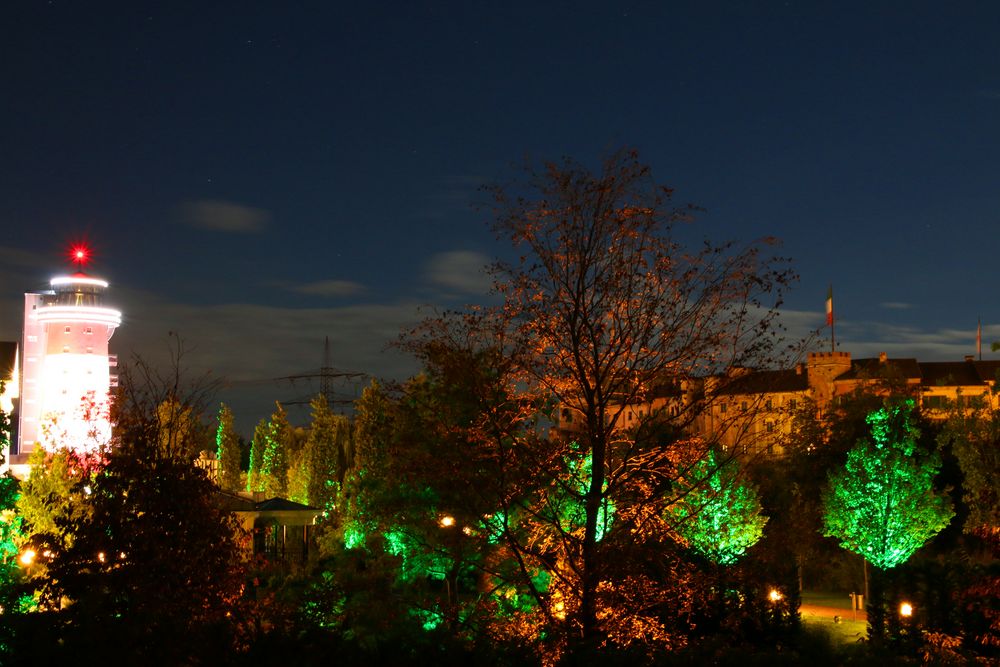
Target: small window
column 567, row 415
column 743, row 406
column 768, row 404
column 90, row 350
column 935, row 402
column 769, row 427
column 65, row 348
column 792, row 404
column 88, row 330
column 722, row 408
column 67, row 329
column 32, row 339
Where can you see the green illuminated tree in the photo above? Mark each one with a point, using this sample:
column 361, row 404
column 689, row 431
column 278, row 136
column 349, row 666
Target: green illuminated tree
column 717, row 512
column 258, row 446
column 318, row 465
column 274, row 469
column 12, row 530
column 227, row 444
column 882, row 504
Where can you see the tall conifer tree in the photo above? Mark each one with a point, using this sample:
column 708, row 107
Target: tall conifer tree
column 227, row 451
column 276, row 454
column 258, row 446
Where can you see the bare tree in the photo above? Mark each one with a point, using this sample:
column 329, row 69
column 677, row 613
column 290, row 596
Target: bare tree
column 603, row 309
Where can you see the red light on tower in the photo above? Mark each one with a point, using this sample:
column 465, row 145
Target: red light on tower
column 80, row 255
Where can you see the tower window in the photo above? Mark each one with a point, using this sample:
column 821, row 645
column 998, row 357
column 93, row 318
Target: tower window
column 67, row 330
column 65, row 348
column 90, row 350
column 88, row 330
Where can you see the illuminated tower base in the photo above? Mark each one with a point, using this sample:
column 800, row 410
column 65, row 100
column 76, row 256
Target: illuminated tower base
column 66, row 368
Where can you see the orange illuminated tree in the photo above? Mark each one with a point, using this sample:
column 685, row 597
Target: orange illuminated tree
column 605, row 308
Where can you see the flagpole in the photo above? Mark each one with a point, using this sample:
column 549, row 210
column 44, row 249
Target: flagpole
column 979, row 338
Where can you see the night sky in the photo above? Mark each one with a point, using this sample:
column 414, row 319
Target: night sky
column 256, row 177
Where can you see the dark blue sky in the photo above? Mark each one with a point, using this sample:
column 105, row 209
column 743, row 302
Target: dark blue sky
column 256, row 177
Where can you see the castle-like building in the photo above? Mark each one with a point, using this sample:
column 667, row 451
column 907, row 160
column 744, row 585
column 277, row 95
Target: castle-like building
column 753, row 411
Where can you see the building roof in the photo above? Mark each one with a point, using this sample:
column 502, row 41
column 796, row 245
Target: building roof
column 958, row 373
column 234, row 502
column 764, row 382
column 873, row 368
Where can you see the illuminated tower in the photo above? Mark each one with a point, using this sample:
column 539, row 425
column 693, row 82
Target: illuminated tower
column 66, row 368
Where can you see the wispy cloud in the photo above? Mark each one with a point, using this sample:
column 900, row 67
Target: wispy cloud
column 989, row 94
column 332, row 288
column 896, row 305
column 224, row 216
column 461, row 271
column 250, row 346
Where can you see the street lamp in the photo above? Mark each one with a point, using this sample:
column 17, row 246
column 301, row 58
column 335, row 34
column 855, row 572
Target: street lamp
column 906, row 610
column 774, row 595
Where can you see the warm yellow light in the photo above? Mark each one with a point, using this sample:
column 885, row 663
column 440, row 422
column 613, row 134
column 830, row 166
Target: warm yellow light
column 774, row 595
column 100, row 556
column 27, row 557
column 906, row 609
column 447, row 521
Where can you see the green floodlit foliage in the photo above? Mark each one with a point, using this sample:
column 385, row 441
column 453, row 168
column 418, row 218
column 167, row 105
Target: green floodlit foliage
column 274, row 470
column 570, row 507
column 717, row 512
column 227, row 450
column 255, row 475
column 882, row 504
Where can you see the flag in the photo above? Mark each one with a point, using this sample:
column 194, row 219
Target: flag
column 829, row 307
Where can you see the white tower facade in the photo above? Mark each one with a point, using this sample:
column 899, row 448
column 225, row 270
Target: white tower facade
column 66, row 368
